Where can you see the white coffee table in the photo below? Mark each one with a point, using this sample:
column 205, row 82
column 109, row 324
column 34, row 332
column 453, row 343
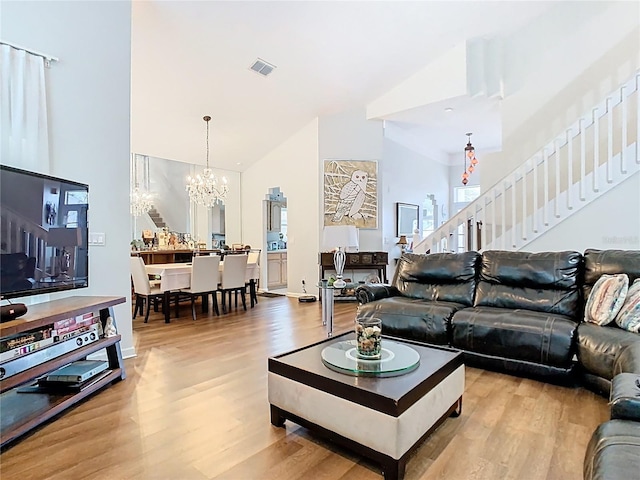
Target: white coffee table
column 382, row 418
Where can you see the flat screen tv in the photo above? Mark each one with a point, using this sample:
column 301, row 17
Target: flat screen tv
column 43, row 233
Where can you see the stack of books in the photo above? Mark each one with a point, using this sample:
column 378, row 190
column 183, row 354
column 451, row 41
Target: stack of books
column 24, row 343
column 74, row 326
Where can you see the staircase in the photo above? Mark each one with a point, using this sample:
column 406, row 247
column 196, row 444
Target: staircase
column 592, row 156
column 156, row 218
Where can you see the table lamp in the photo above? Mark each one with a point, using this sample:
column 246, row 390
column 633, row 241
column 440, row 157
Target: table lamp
column 339, row 236
column 402, row 242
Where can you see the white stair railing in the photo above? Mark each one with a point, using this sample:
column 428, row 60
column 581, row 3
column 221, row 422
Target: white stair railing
column 593, row 155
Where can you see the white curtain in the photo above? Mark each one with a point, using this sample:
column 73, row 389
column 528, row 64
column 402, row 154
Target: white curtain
column 24, row 139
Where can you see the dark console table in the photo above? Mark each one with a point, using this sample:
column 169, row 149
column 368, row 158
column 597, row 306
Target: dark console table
column 377, row 261
column 153, row 257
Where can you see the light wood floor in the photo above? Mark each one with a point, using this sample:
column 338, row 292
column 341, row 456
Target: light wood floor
column 194, row 406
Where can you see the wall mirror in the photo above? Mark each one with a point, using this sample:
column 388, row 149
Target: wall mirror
column 165, row 180
column 407, row 218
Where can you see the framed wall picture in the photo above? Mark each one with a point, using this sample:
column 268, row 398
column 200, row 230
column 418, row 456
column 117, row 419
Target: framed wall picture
column 351, row 193
column 407, row 219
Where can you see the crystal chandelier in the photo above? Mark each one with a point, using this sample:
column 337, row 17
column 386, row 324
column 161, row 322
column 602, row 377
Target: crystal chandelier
column 204, row 189
column 469, row 154
column 141, row 200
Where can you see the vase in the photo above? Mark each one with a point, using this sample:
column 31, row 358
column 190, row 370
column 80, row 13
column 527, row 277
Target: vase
column 369, row 338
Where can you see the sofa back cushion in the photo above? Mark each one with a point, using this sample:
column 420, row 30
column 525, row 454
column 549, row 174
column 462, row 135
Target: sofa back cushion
column 544, row 282
column 447, row 277
column 610, row 262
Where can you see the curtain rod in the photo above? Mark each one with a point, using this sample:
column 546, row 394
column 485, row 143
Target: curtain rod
column 47, row 58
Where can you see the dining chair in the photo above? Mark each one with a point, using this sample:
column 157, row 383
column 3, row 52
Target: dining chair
column 205, row 276
column 253, row 281
column 233, row 279
column 145, row 290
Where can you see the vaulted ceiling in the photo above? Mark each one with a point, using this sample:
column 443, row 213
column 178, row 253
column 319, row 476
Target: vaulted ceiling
column 191, row 59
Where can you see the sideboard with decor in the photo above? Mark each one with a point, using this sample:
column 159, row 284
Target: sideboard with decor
column 372, row 261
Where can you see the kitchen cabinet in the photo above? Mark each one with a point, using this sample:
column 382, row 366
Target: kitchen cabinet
column 283, row 263
column 276, row 269
column 274, row 216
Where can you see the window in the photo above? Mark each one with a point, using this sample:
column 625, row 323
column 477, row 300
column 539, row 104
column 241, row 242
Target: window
column 462, row 196
column 466, row 194
column 76, row 197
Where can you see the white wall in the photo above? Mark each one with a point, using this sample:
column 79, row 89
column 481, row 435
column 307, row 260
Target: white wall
column 612, row 221
column 445, row 77
column 88, row 95
column 408, row 178
column 557, row 68
column 350, row 136
column 292, row 166
column 296, row 167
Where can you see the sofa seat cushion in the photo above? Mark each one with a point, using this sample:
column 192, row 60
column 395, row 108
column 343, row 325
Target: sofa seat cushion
column 412, row 318
column 523, row 335
column 628, row 360
column 625, row 397
column 599, row 346
column 613, row 451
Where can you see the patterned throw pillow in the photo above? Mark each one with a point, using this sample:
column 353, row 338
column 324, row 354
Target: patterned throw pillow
column 629, row 315
column 606, row 299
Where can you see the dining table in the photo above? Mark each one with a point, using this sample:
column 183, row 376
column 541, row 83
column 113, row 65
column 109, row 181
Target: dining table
column 175, row 276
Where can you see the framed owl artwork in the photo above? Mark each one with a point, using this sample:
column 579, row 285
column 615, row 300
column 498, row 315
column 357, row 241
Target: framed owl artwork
column 351, row 193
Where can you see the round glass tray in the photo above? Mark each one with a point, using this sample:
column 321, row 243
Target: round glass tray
column 396, row 359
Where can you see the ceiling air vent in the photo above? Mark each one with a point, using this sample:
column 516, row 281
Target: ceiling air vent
column 262, row 67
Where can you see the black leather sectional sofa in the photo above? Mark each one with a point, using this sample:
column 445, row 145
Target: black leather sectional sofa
column 521, row 313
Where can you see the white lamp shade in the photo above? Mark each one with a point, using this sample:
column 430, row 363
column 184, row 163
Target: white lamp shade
column 339, row 236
